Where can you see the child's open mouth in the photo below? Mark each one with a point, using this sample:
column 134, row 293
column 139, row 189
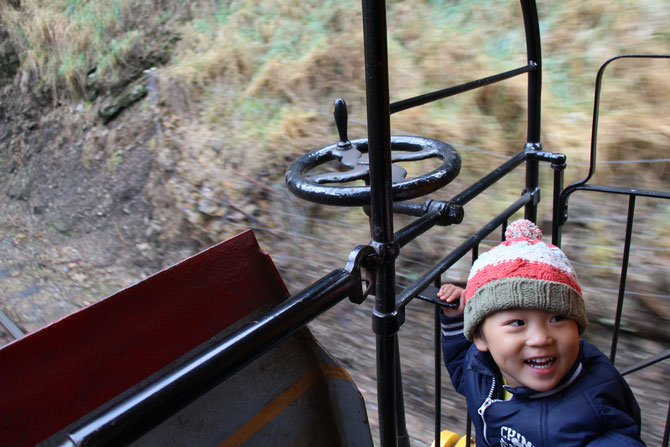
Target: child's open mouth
column 541, row 362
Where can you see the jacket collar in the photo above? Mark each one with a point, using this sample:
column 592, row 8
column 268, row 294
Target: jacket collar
column 482, row 363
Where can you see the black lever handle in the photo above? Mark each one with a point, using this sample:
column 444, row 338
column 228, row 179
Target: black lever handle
column 341, row 118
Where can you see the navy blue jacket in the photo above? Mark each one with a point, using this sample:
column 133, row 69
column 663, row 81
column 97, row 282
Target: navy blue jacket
column 591, row 406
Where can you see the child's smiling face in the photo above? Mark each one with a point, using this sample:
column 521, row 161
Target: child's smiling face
column 532, row 348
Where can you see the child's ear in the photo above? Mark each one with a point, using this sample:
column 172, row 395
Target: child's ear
column 480, row 341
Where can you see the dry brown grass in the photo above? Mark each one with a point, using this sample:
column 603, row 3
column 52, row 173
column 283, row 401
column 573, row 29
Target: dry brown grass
column 249, row 85
column 304, row 54
column 67, row 45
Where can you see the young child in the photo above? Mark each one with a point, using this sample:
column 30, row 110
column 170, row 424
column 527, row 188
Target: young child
column 528, row 378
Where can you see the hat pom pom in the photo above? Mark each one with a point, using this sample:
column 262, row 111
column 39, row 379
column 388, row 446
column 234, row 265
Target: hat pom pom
column 523, row 228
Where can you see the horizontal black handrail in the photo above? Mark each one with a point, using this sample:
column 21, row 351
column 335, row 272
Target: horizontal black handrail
column 580, row 184
column 621, row 190
column 407, row 294
column 137, row 414
column 495, row 175
column 455, row 90
column 429, row 213
column 408, row 208
column 424, row 223
column 646, row 362
column 596, row 106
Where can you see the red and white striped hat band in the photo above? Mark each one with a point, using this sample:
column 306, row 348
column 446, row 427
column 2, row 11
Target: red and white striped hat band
column 522, row 272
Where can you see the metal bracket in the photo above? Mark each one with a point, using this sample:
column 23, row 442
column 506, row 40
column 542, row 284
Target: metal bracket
column 362, row 257
column 535, row 195
column 540, row 155
column 450, row 213
column 390, row 323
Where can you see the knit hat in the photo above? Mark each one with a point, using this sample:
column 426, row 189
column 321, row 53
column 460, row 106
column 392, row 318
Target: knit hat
column 522, row 273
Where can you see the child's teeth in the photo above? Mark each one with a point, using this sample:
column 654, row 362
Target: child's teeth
column 541, row 362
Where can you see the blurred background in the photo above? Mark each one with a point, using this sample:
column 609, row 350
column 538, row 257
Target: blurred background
column 136, row 133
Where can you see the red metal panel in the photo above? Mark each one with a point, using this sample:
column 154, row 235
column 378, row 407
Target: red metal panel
column 54, row 376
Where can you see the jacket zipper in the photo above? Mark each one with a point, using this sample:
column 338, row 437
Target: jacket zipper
column 487, row 403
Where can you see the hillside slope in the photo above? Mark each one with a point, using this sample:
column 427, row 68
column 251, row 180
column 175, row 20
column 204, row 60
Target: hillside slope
column 134, row 133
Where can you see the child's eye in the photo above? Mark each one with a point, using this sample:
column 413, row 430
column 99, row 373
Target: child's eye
column 558, row 318
column 516, row 323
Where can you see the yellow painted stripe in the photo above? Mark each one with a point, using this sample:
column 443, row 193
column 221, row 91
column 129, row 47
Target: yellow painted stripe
column 279, row 403
column 271, row 410
column 336, row 372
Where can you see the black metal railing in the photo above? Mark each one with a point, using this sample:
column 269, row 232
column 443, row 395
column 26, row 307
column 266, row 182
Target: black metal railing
column 560, row 217
column 388, row 306
column 134, row 416
column 141, row 412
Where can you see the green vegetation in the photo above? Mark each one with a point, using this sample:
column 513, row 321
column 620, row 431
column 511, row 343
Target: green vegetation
column 249, row 84
column 226, row 93
column 65, row 43
column 303, row 54
column 113, row 161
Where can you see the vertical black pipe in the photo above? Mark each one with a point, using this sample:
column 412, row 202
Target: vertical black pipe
column 666, row 433
column 403, row 436
column 559, row 170
column 468, row 421
column 438, row 369
column 533, row 50
column 385, row 318
column 622, row 278
column 386, row 389
column 379, row 122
